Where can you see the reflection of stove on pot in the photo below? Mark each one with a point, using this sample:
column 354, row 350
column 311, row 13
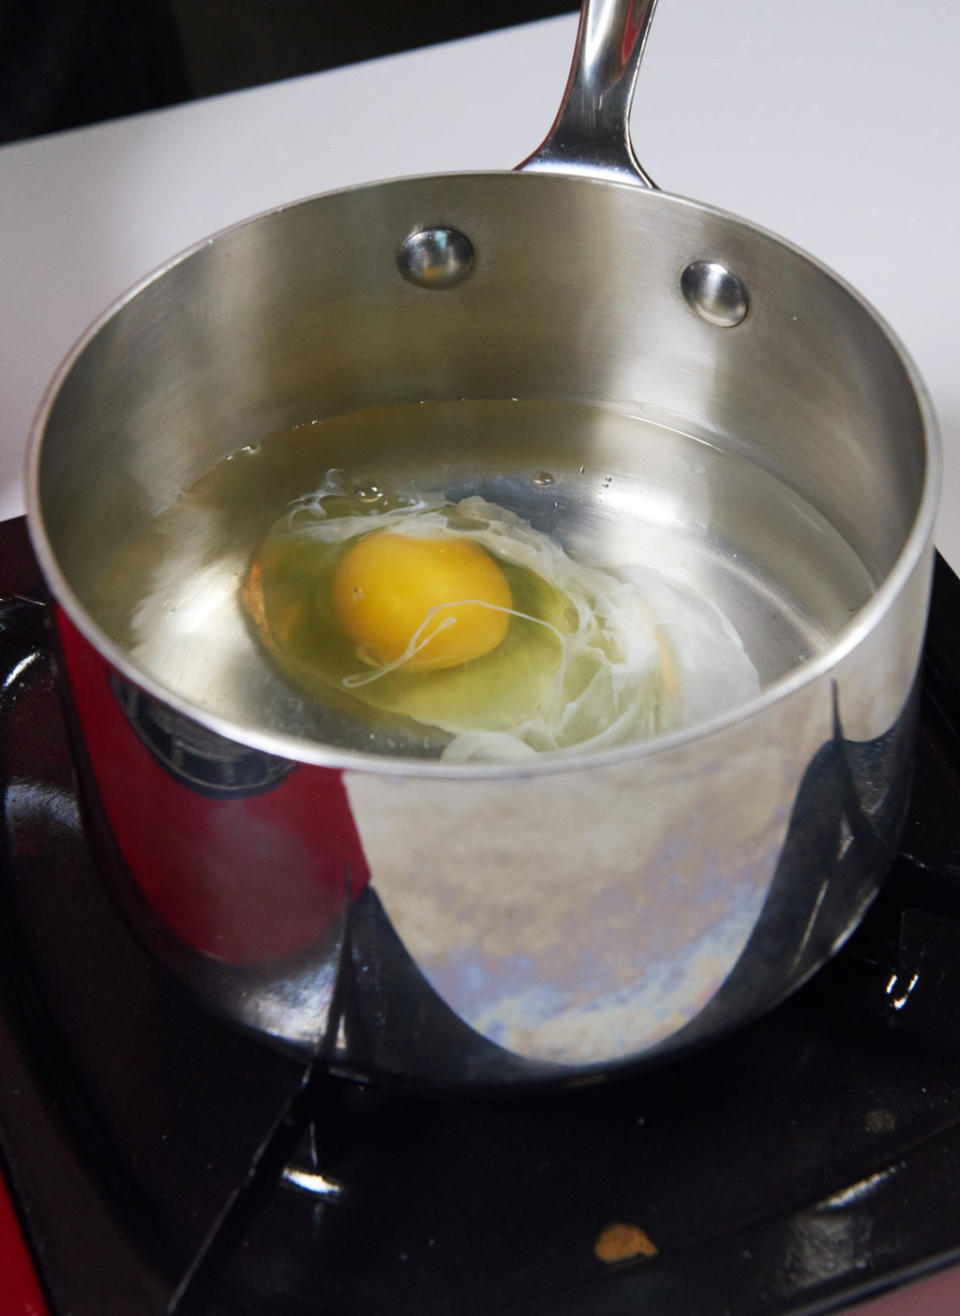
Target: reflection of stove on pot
column 163, row 1161
column 202, row 760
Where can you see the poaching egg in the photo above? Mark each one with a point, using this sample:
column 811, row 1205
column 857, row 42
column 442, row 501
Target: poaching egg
column 434, row 601
column 465, row 619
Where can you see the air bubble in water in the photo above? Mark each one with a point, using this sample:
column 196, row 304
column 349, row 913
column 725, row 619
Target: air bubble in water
column 542, row 480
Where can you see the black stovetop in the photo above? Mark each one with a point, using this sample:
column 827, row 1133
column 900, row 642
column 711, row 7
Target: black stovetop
column 164, row 1162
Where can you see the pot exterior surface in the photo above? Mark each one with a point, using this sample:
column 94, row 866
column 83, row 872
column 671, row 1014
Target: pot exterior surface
column 461, row 926
column 507, row 931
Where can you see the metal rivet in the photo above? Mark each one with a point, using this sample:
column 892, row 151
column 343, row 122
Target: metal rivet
column 435, row 258
column 715, row 293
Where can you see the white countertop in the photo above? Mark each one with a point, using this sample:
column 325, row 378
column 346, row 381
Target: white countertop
column 833, row 123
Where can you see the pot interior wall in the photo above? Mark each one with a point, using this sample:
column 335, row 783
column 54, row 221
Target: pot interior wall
column 574, row 297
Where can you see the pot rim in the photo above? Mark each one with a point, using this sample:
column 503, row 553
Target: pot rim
column 307, row 751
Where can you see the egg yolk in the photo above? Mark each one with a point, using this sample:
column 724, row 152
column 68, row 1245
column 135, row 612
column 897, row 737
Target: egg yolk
column 387, row 586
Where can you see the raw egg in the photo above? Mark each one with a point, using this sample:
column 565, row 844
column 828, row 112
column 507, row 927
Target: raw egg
column 464, row 619
column 439, row 599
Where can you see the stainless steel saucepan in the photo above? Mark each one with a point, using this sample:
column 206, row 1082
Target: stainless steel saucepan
column 694, row 394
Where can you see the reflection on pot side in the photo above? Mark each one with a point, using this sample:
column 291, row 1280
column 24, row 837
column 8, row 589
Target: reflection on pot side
column 470, row 1013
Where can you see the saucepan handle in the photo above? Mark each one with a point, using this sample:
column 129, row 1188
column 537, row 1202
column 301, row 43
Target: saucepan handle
column 591, row 133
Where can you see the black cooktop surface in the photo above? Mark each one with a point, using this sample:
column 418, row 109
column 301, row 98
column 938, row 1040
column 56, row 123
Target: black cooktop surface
column 165, row 1162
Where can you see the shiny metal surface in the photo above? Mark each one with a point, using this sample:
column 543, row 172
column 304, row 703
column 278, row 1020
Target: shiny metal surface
column 435, row 258
column 583, row 913
column 715, row 293
column 591, row 134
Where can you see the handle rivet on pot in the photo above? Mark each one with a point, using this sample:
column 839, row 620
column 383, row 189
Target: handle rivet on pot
column 436, row 258
column 715, row 293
